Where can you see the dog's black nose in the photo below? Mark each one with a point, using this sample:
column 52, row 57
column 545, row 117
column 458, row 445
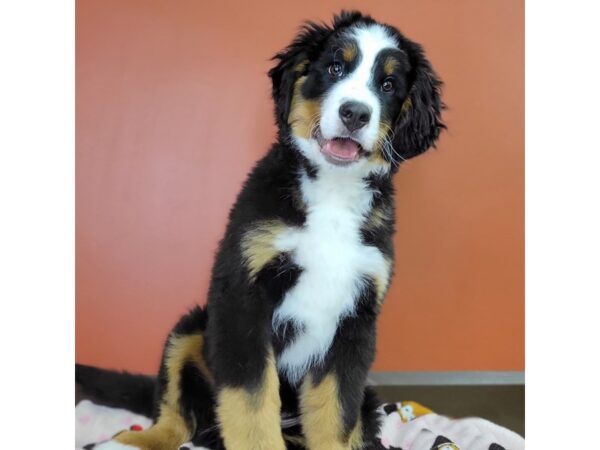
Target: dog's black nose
column 355, row 115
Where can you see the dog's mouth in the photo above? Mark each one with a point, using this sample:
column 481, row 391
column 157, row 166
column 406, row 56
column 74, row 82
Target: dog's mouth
column 340, row 151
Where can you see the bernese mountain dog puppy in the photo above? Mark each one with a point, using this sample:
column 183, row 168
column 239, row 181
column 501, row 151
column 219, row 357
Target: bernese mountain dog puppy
column 279, row 358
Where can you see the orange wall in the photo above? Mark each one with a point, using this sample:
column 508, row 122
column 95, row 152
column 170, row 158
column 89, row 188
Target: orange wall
column 173, row 109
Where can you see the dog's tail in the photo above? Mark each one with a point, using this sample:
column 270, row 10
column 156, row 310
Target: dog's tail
column 116, row 389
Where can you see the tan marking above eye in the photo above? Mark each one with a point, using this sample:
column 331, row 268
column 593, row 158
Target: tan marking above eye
column 390, row 65
column 349, row 53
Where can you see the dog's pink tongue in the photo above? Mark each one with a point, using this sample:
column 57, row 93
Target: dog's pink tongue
column 345, row 149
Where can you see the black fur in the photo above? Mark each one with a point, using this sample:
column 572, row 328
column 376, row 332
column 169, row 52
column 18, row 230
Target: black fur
column 419, row 127
column 117, row 389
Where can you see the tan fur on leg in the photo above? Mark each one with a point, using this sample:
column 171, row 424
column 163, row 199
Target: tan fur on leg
column 322, row 421
column 171, row 430
column 167, row 434
column 251, row 420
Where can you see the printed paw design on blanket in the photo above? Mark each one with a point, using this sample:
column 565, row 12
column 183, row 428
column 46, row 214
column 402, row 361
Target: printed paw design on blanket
column 405, row 426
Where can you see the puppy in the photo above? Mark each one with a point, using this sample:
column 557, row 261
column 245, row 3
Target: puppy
column 307, row 256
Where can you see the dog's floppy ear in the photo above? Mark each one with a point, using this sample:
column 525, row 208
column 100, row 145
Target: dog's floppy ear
column 419, row 122
column 292, row 63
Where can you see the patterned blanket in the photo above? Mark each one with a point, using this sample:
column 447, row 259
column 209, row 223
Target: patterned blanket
column 405, row 425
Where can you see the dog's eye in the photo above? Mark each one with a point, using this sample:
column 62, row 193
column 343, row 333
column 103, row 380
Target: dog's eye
column 387, row 85
column 336, row 69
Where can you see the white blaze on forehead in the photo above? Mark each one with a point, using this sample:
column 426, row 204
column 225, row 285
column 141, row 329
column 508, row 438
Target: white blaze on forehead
column 371, row 41
column 358, row 85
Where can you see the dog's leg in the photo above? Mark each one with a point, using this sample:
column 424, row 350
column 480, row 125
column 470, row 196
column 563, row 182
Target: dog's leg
column 250, row 415
column 331, row 396
column 184, row 386
column 323, row 416
column 247, row 384
column 240, row 343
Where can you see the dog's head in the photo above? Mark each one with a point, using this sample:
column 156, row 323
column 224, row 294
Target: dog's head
column 356, row 94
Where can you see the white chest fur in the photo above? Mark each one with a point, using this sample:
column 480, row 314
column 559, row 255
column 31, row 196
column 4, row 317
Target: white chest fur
column 334, row 260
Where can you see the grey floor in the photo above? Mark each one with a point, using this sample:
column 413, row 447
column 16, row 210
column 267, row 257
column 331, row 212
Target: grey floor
column 504, row 405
